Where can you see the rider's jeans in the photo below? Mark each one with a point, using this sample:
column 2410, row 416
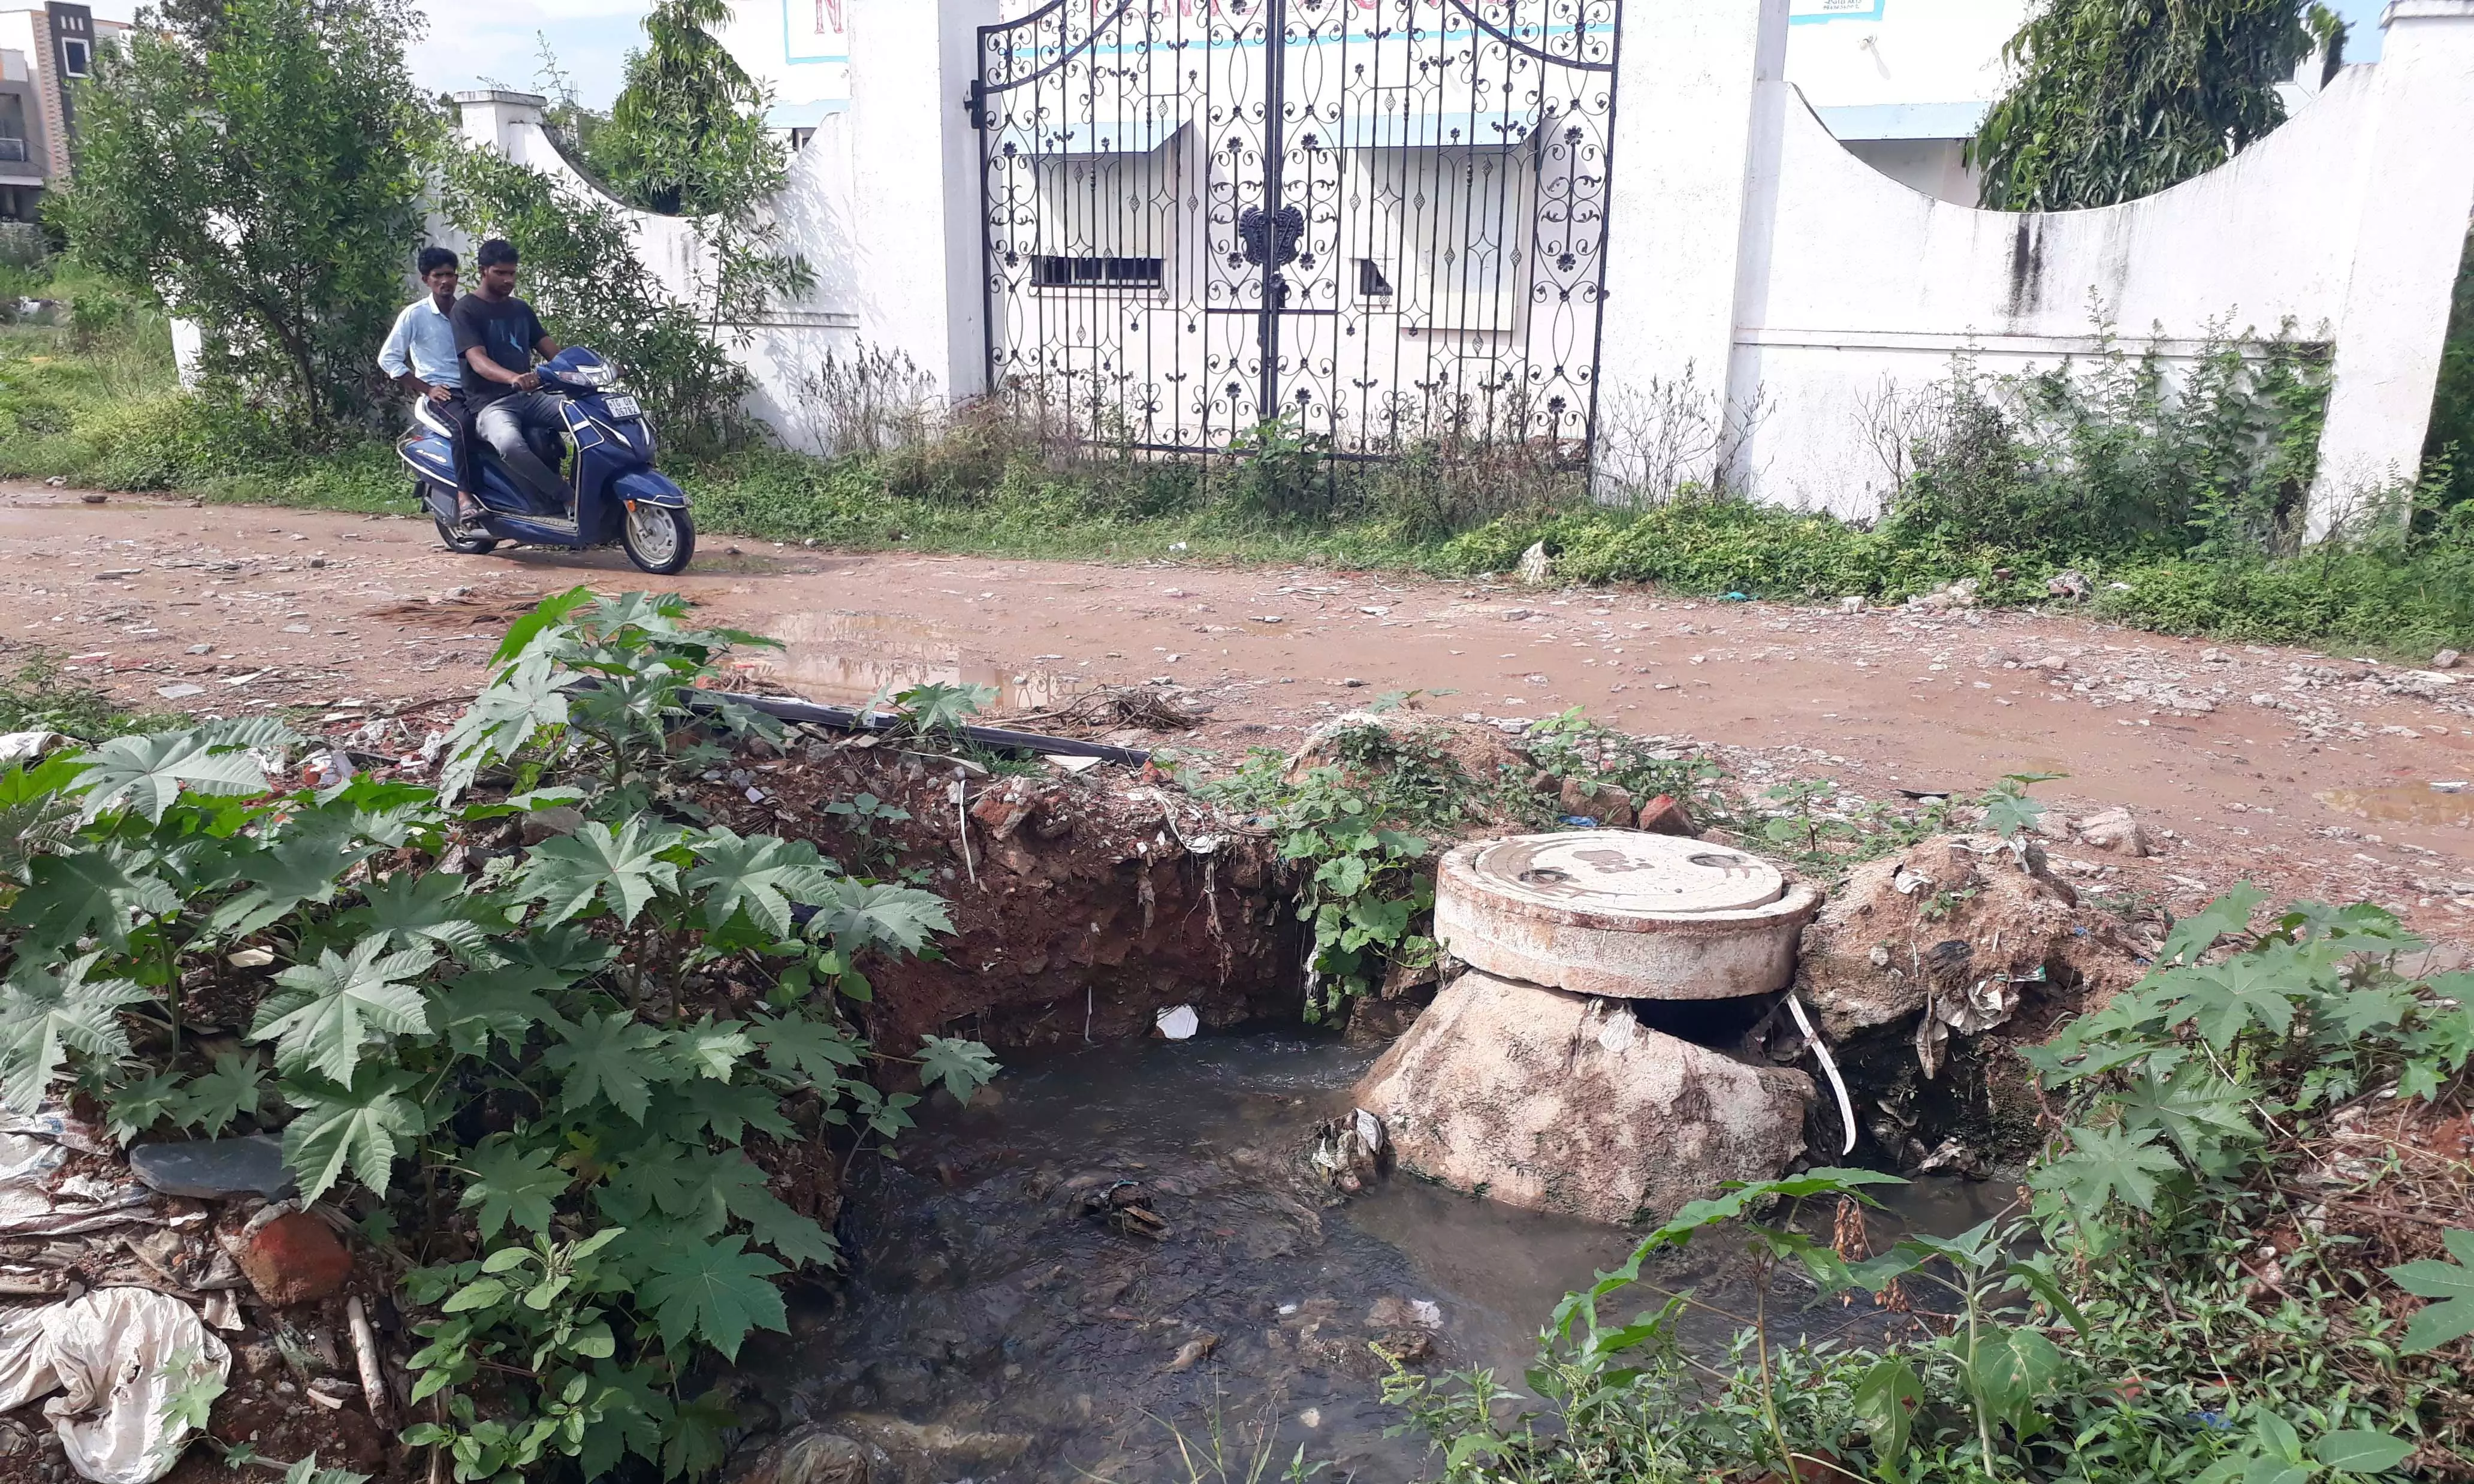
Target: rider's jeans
column 503, row 423
column 455, row 415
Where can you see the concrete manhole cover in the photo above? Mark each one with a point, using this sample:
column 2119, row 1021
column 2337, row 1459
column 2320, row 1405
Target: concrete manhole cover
column 1622, row 871
column 1619, row 913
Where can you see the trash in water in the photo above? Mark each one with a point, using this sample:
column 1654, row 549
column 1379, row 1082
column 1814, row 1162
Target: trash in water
column 2454, row 786
column 1348, row 1151
column 1179, row 1023
column 1127, row 1206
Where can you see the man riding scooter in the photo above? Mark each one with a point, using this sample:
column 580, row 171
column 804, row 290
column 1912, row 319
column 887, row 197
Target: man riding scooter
column 420, row 356
column 497, row 335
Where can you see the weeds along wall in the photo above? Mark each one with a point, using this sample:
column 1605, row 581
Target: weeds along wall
column 1767, row 292
column 2340, row 227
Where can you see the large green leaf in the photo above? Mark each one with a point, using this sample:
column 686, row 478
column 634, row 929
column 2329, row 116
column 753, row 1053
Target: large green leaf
column 209, row 1102
column 1887, row 1399
column 298, row 870
column 710, row 1047
column 46, row 1013
column 858, row 916
column 714, row 1291
column 610, row 1057
column 2227, row 915
column 2011, row 1370
column 2106, row 1164
column 525, row 697
column 2450, row 1285
column 89, row 894
column 328, row 1012
column 2358, row 1451
column 2251, row 989
column 500, row 1003
column 761, row 876
column 145, row 773
column 795, row 1045
column 363, row 1126
column 412, row 907
column 962, row 1066
column 2195, row 1107
column 511, row 1181
column 621, row 870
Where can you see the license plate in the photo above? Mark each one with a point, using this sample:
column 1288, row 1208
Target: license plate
column 625, row 407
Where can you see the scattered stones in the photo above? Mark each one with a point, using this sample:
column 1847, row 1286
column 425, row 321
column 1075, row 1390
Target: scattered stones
column 1602, row 802
column 1537, row 569
column 2115, row 830
column 2071, row 584
column 2445, row 659
column 1558, row 1102
column 213, row 1169
column 295, row 1258
column 1665, row 815
column 541, row 824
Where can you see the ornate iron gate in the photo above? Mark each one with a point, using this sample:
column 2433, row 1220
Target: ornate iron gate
column 1381, row 222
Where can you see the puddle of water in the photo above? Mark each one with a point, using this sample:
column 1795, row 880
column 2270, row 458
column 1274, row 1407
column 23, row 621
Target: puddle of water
column 848, row 657
column 983, row 1298
column 2403, row 803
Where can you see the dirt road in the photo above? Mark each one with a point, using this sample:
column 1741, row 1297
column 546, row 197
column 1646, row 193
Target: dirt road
column 2312, row 774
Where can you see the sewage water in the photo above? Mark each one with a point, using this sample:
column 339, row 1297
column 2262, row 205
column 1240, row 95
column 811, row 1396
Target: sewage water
column 1033, row 1341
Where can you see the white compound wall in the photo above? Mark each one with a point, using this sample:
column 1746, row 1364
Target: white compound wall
column 1749, row 248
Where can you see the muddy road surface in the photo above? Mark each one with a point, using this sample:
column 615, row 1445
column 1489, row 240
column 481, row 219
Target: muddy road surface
column 2318, row 774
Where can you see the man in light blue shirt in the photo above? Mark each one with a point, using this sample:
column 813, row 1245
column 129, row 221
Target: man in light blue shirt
column 420, row 354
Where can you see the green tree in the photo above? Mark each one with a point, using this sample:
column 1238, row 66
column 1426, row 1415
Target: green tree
column 2117, row 99
column 687, row 135
column 2452, row 410
column 248, row 167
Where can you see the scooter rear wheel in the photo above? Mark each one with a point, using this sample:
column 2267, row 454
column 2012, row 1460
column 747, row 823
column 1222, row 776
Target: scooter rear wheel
column 660, row 539
column 456, row 539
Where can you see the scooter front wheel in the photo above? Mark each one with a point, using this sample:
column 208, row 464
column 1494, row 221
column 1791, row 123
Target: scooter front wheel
column 660, row 539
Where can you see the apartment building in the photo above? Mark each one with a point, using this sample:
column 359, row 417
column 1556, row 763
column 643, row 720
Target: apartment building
column 45, row 51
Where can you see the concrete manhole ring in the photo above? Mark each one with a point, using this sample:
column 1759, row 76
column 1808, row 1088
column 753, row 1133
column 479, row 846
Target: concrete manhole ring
column 1622, row 871
column 1622, row 913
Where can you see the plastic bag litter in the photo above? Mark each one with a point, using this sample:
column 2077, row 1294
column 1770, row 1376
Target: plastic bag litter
column 114, row 1357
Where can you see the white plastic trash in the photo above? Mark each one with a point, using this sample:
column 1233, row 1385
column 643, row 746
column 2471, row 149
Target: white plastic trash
column 114, row 1357
column 1180, row 1023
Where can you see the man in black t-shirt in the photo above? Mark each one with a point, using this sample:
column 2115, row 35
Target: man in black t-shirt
column 498, row 335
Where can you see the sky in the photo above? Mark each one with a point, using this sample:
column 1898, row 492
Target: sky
column 472, row 40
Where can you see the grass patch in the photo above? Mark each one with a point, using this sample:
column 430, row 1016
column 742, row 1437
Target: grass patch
column 94, row 402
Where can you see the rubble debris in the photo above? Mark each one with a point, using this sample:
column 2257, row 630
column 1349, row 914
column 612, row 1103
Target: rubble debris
column 213, row 1169
column 1558, row 1102
column 114, row 1357
column 2115, row 830
column 294, row 1258
column 2071, row 584
column 1962, row 923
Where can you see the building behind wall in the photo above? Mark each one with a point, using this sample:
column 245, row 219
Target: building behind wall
column 44, row 53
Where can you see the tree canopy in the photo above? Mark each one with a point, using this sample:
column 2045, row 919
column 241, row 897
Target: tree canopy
column 249, row 166
column 686, row 133
column 2117, row 99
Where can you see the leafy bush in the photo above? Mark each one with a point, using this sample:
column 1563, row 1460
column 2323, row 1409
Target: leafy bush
column 576, row 1047
column 2170, row 1306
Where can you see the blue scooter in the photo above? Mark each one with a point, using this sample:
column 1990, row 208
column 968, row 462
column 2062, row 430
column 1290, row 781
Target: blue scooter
column 613, row 492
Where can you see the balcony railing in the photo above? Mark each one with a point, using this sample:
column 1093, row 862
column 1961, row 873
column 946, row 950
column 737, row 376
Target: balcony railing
column 12, row 149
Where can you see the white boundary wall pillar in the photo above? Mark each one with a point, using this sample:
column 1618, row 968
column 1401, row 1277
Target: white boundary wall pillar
column 2416, row 168
column 1686, row 158
column 915, row 198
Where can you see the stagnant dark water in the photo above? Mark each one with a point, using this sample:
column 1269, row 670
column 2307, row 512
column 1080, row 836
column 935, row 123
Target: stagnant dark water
column 991, row 1329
